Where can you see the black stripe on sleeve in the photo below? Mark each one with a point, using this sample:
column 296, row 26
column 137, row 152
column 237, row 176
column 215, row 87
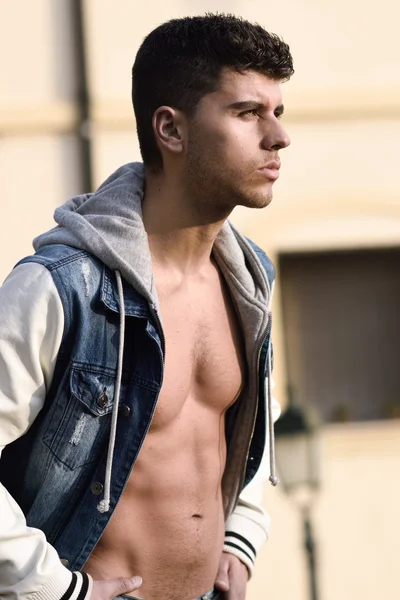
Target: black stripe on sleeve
column 71, row 588
column 242, row 539
column 84, row 588
column 241, row 550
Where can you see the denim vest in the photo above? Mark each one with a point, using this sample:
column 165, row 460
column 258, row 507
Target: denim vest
column 56, row 470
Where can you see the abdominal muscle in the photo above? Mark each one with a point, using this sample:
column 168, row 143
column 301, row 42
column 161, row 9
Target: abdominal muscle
column 168, row 526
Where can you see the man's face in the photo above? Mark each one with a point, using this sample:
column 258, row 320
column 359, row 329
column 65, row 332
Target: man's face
column 234, row 141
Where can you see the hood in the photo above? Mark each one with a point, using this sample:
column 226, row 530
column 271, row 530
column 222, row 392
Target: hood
column 109, row 225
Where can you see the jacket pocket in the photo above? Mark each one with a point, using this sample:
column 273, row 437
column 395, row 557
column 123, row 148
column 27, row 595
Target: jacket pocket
column 79, row 423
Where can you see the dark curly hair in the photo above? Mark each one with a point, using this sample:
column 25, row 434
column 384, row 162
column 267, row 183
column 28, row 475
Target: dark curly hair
column 181, row 61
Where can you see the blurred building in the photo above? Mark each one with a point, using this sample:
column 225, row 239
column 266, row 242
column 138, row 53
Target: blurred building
column 333, row 231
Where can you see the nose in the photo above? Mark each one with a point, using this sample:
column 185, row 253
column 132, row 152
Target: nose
column 276, row 136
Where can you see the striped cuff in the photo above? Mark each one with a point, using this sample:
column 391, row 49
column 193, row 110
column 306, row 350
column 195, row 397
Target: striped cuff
column 68, row 586
column 246, row 530
column 238, row 545
column 80, row 587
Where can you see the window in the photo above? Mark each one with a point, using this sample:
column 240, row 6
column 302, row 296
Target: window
column 341, row 314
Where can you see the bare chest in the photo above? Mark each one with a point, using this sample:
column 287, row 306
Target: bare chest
column 204, row 352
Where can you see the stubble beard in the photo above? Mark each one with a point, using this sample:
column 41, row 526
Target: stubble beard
column 219, row 189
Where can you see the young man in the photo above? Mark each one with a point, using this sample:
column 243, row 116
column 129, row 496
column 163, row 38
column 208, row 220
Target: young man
column 135, row 344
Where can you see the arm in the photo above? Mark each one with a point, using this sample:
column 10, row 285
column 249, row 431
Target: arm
column 31, row 327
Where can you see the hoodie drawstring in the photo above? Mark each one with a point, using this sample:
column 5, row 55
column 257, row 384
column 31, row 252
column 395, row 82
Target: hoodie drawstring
column 104, row 505
column 272, row 478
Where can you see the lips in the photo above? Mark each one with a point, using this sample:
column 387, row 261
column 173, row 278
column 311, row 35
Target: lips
column 270, row 170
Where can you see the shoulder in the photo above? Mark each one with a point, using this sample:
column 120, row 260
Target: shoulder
column 27, row 283
column 55, row 256
column 76, row 274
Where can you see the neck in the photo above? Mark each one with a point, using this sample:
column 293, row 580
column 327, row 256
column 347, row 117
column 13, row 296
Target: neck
column 180, row 226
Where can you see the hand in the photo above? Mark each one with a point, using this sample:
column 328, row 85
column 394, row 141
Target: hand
column 232, row 577
column 110, row 588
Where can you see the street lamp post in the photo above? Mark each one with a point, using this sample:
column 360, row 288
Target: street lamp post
column 298, row 461
column 309, row 544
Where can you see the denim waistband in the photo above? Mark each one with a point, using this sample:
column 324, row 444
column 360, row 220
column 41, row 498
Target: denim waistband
column 211, row 595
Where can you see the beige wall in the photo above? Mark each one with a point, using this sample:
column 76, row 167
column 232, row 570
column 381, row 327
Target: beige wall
column 339, row 189
column 38, row 153
column 356, row 523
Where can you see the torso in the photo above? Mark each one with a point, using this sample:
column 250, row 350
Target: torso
column 168, row 526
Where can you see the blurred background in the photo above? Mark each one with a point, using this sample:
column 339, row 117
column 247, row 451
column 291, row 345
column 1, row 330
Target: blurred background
column 333, row 232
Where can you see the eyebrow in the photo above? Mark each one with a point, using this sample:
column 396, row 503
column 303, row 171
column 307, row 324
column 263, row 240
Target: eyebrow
column 253, row 105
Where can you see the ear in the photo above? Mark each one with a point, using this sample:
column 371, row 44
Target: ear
column 169, row 129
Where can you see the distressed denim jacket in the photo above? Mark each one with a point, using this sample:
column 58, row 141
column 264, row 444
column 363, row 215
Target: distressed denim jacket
column 61, row 459
column 56, row 470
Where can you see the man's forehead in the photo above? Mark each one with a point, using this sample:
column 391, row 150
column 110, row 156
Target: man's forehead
column 248, row 85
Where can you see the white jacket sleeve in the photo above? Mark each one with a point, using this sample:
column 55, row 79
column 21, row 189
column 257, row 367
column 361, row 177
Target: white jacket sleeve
column 31, row 328
column 247, row 529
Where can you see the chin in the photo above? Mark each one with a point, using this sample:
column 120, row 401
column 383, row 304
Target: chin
column 266, row 203
column 257, row 200
column 260, row 196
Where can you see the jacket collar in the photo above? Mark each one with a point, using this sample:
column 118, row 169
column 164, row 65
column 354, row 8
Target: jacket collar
column 135, row 304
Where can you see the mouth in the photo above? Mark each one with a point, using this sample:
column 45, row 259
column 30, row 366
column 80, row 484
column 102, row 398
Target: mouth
column 270, row 170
